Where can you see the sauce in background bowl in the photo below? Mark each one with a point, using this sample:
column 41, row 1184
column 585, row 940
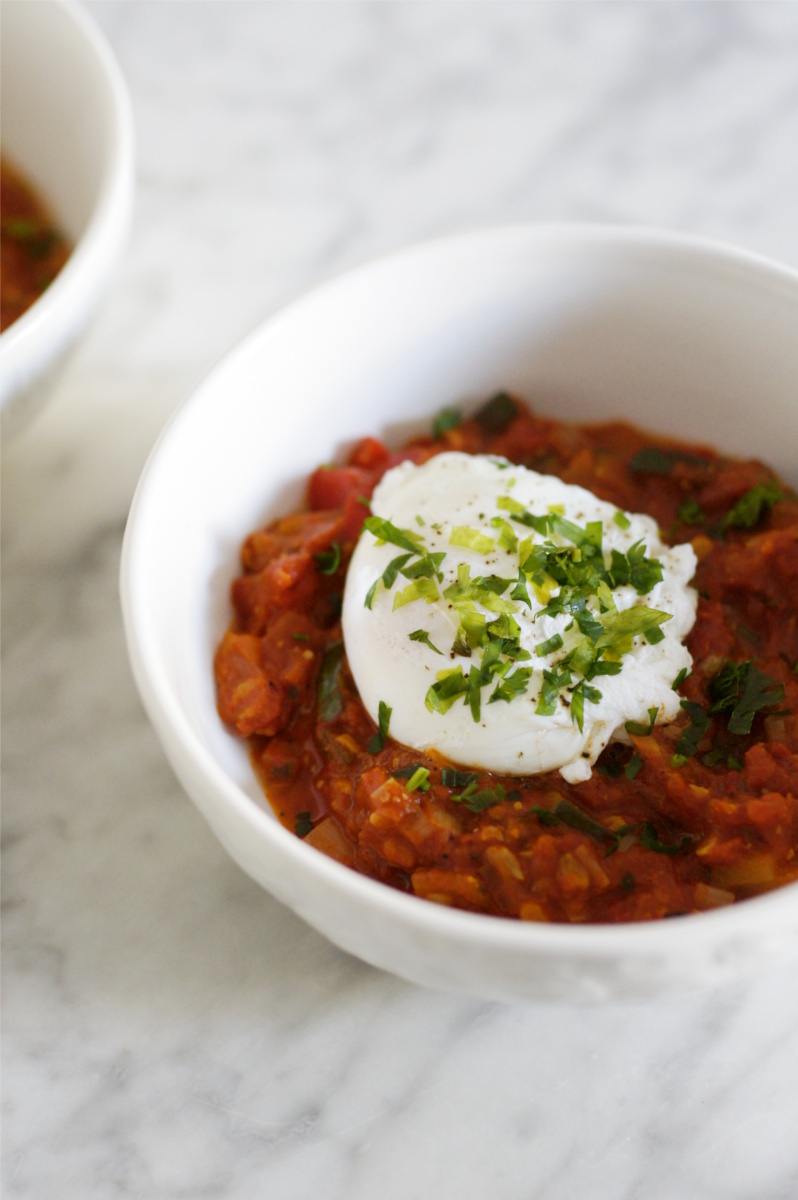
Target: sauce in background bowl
column 33, row 247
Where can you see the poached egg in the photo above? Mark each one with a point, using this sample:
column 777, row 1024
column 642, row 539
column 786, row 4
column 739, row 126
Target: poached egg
column 510, row 621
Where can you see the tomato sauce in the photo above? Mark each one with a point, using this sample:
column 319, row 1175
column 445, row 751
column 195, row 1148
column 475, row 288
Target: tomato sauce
column 692, row 816
column 33, row 251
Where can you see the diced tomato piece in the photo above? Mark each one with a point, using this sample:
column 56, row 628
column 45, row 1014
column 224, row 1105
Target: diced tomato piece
column 262, row 681
column 355, row 514
column 370, row 453
column 288, row 582
column 330, row 486
column 310, row 532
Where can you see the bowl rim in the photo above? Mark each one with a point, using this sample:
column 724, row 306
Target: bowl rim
column 191, row 758
column 59, row 309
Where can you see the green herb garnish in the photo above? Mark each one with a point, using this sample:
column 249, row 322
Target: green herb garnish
column 742, row 690
column 654, row 461
column 544, row 815
column 497, row 413
column 303, row 824
column 633, row 767
column 478, row 801
column 549, row 646
column 650, row 841
column 385, row 531
column 719, row 758
column 753, row 506
column 634, row 727
column 581, row 693
column 407, row 772
column 384, row 719
column 420, row 589
column 419, row 780
column 512, row 685
column 452, row 778
column 687, row 744
column 680, row 678
column 421, row 635
column 553, row 683
column 691, row 513
column 329, row 694
column 328, row 561
column 447, row 418
column 445, row 691
column 575, row 818
column 471, row 539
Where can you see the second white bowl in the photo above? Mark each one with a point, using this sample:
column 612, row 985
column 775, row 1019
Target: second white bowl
column 67, row 126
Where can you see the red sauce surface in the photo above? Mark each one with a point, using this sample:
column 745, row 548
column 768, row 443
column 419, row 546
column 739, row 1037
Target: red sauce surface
column 32, row 249
column 644, row 838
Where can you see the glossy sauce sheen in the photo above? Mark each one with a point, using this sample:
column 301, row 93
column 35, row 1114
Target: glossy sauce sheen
column 33, row 251
column 691, row 816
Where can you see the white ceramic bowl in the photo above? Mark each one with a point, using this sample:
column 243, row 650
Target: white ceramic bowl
column 67, row 126
column 675, row 334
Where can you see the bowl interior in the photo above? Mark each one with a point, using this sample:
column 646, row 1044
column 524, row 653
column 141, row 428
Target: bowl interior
column 586, row 324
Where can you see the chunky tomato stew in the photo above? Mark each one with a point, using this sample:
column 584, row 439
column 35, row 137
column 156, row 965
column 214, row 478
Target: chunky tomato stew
column 33, row 251
column 690, row 816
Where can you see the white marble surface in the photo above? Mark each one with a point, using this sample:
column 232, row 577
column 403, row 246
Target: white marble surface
column 169, row 1030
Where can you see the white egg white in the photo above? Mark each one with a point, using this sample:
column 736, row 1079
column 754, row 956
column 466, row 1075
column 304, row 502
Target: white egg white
column 453, row 490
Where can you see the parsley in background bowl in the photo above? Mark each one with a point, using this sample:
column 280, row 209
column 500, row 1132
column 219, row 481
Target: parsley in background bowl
column 674, row 334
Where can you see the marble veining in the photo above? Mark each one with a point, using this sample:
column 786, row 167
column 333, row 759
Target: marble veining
column 170, row 1031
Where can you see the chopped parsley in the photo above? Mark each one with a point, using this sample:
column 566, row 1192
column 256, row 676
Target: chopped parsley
column 553, row 683
column 422, row 572
column 691, row 513
column 687, row 745
column 384, row 719
column 303, row 824
column 742, row 690
column 655, row 461
column 751, row 508
column 419, row 589
column 450, row 777
column 566, row 813
column 495, row 415
column 720, row 758
column 650, row 841
column 421, row 635
column 680, row 678
column 549, row 646
column 471, row 539
column 512, row 685
column 328, row 561
column 407, row 772
column 445, row 691
column 579, row 694
column 447, row 418
column 638, row 730
column 385, row 531
column 633, row 767
column 419, row 780
column 330, row 700
column 476, row 801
